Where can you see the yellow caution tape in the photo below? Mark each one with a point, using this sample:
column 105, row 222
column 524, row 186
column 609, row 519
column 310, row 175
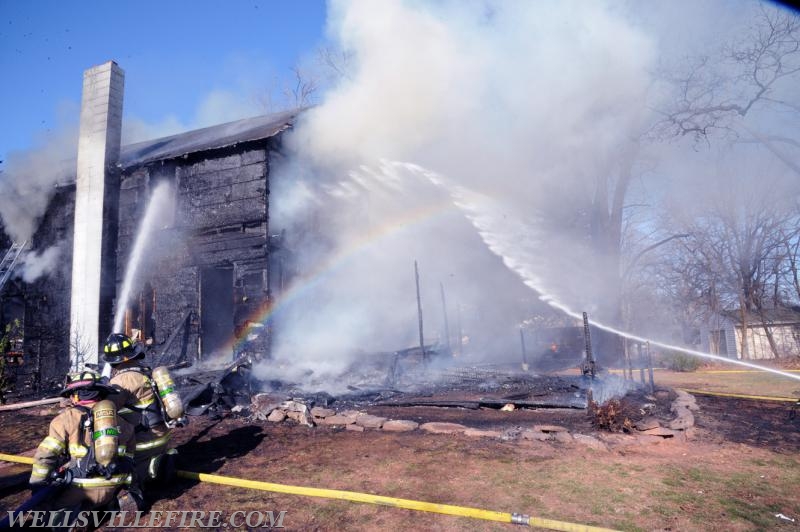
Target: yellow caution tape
column 354, row 496
column 742, row 396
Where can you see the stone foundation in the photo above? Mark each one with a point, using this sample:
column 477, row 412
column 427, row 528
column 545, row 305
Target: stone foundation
column 648, row 431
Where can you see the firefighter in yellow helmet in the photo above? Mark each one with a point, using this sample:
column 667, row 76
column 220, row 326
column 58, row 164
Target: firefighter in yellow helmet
column 143, row 405
column 87, row 457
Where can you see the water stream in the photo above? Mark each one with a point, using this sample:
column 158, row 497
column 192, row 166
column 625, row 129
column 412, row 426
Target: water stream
column 158, row 205
column 502, row 234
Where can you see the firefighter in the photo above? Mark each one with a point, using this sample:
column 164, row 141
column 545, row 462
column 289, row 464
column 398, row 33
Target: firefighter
column 148, row 402
column 87, row 456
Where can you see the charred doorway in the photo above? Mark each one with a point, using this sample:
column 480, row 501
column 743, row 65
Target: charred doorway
column 140, row 317
column 216, row 311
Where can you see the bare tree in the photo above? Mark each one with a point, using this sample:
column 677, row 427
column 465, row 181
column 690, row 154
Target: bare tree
column 734, row 255
column 79, row 348
column 790, row 272
column 301, row 91
column 337, row 63
column 757, row 74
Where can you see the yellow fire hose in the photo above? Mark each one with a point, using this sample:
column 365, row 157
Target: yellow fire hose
column 742, row 371
column 447, row 509
column 741, row 396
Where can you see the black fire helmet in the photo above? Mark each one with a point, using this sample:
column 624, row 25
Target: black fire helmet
column 120, row 348
column 87, row 384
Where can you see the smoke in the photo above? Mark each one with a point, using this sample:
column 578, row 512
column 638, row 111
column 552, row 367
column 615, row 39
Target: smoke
column 28, row 180
column 526, row 103
column 216, row 107
column 39, row 264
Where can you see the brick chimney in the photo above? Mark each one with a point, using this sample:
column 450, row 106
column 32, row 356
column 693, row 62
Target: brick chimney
column 96, row 211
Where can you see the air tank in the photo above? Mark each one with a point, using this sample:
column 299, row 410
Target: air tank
column 173, row 405
column 105, row 437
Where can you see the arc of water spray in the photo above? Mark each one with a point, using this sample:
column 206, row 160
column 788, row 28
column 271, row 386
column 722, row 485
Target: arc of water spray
column 158, row 204
column 460, row 198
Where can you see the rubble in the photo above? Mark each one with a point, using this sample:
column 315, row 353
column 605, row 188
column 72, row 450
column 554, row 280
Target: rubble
column 661, row 431
column 563, row 437
column 684, row 419
column 549, row 428
column 297, row 411
column 685, row 400
column 369, row 421
column 647, row 423
column 443, row 428
column 340, row 414
column 535, row 435
column 337, row 419
column 478, row 433
column 276, row 416
column 320, row 412
column 400, row 425
column 647, row 439
column 590, row 442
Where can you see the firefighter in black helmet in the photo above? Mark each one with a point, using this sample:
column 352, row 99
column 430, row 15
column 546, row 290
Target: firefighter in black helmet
column 86, row 460
column 144, row 407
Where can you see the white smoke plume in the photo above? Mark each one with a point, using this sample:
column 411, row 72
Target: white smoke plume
column 38, row 264
column 28, row 179
column 478, row 138
column 216, row 107
column 526, row 102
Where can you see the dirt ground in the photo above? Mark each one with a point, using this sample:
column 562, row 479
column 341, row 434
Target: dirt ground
column 740, row 472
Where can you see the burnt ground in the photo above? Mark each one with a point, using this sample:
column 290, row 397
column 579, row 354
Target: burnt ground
column 739, row 472
column 488, row 418
column 765, row 424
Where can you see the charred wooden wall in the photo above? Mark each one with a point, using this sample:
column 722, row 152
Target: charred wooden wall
column 47, row 299
column 220, row 222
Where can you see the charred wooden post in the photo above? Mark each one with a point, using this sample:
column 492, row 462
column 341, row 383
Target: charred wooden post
column 446, row 323
column 524, row 352
column 641, row 362
column 650, row 366
column 588, row 368
column 459, row 330
column 628, row 360
column 419, row 314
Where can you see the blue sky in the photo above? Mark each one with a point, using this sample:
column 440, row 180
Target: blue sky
column 174, row 53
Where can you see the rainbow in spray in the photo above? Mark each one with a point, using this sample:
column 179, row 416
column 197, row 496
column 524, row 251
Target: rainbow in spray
column 304, row 285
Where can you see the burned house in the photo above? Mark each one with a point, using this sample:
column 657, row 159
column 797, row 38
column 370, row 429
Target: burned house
column 206, row 273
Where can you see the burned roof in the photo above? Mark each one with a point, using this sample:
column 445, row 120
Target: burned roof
column 208, row 138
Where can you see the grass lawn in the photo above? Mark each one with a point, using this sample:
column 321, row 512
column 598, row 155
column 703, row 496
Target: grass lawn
column 749, row 383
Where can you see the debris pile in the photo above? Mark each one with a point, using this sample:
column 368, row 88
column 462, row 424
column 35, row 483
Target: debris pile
column 647, row 429
column 265, row 407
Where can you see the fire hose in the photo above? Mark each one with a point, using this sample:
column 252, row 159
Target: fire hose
column 353, row 496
